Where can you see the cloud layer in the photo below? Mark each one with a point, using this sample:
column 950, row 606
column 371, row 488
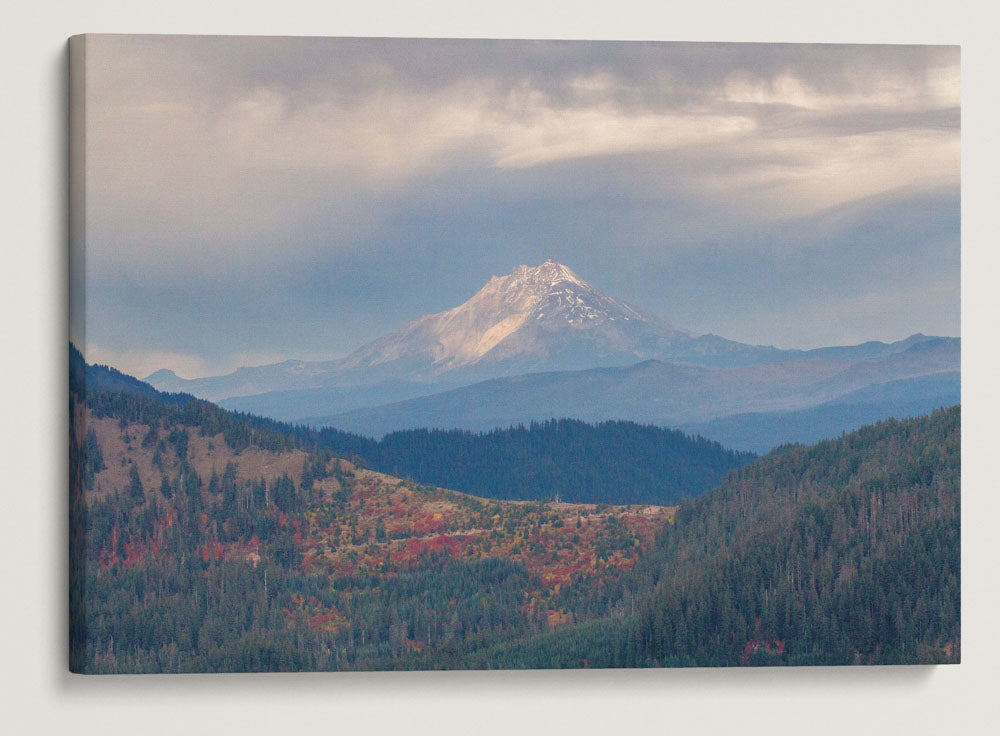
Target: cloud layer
column 252, row 198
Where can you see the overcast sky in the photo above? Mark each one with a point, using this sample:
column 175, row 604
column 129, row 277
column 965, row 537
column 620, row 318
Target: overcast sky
column 252, row 200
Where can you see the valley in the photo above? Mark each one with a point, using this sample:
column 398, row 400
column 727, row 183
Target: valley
column 204, row 541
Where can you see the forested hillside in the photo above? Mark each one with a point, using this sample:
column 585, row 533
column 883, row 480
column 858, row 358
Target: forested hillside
column 207, row 541
column 846, row 552
column 203, row 540
column 611, row 462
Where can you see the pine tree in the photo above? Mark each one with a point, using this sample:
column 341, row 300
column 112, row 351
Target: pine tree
column 135, row 490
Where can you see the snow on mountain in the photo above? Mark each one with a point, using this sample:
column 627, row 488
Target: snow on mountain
column 531, row 320
column 534, row 317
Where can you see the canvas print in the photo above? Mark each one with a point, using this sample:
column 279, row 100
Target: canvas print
column 394, row 354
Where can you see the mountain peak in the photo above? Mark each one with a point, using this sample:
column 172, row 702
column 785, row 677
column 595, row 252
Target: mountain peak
column 533, row 318
column 555, row 297
column 549, row 273
column 538, row 278
column 164, row 374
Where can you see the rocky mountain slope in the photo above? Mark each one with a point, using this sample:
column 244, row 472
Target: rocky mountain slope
column 534, row 318
column 540, row 318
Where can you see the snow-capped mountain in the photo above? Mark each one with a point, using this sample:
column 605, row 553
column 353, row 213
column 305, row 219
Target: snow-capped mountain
column 534, row 318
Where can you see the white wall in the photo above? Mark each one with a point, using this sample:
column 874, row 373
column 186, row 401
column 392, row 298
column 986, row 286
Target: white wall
column 39, row 696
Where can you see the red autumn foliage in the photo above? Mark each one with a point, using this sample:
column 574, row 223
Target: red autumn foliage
column 768, row 646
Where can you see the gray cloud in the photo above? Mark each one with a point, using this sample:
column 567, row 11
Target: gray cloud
column 251, row 199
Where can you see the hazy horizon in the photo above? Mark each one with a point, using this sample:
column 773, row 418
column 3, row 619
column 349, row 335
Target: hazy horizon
column 143, row 375
column 252, row 200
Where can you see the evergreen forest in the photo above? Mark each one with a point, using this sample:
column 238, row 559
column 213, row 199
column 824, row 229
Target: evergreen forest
column 203, row 540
